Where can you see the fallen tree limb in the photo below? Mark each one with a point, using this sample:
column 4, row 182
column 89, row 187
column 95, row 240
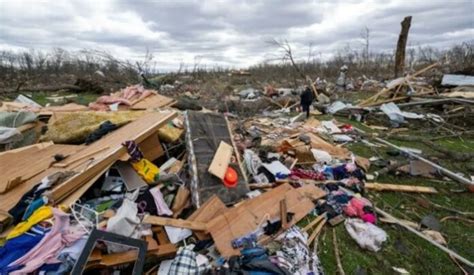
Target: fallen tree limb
column 419, row 234
column 443, row 170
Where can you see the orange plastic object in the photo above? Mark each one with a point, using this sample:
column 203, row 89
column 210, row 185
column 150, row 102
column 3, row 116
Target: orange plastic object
column 230, row 178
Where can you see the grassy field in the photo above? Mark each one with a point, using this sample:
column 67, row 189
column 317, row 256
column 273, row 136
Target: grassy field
column 404, row 249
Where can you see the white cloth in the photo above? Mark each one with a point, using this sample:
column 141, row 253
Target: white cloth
column 367, row 235
column 125, row 223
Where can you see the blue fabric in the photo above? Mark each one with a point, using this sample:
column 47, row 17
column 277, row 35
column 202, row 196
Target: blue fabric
column 19, row 246
column 33, row 206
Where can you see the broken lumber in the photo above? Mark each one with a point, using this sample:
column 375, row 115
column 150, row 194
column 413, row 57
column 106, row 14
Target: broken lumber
column 137, row 131
column 400, row 188
column 193, row 225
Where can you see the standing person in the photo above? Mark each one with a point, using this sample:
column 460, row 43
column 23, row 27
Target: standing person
column 307, row 98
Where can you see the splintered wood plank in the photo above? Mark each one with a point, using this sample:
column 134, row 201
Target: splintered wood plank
column 21, row 165
column 221, row 160
column 137, row 131
column 400, row 188
column 252, row 214
column 150, row 219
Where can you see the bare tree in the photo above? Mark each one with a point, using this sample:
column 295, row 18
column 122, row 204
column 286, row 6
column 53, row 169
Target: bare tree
column 285, row 47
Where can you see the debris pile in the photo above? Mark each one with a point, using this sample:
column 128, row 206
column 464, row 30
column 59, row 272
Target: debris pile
column 132, row 185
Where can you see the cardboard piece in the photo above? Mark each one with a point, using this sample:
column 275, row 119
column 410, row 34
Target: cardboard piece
column 129, row 176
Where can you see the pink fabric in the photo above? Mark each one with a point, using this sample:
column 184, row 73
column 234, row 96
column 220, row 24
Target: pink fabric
column 355, row 207
column 369, row 217
column 125, row 96
column 107, row 99
column 161, row 205
column 45, row 252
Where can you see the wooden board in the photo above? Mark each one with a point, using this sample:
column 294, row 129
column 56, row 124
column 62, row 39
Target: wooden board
column 193, row 225
column 153, row 101
column 221, row 160
column 252, row 214
column 76, row 195
column 18, row 166
column 137, row 130
column 208, row 211
column 400, row 188
column 151, row 147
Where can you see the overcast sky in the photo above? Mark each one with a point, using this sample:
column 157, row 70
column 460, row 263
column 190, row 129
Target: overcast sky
column 228, row 33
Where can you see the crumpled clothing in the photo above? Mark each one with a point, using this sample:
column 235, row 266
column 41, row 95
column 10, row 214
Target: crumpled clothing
column 161, row 206
column 19, row 246
column 125, row 222
column 346, row 171
column 297, row 173
column 295, row 255
column 33, row 207
column 69, row 255
column 61, row 235
column 186, row 262
column 41, row 214
column 149, row 172
column 355, row 207
column 133, row 150
column 367, row 235
column 252, row 162
column 361, row 208
column 17, row 212
column 104, row 128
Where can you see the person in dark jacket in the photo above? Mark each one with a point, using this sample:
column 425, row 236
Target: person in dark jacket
column 307, row 98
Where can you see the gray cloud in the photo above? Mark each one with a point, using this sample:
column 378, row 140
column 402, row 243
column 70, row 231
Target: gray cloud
column 228, row 33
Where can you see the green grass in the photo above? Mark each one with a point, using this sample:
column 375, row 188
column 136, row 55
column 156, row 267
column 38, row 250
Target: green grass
column 404, row 249
column 82, row 98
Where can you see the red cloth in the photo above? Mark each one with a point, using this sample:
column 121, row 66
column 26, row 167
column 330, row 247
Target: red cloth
column 298, row 173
